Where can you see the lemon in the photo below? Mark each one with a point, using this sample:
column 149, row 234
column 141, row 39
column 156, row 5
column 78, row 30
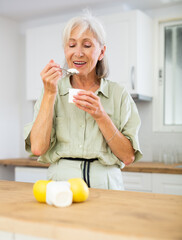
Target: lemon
column 79, row 189
column 39, row 190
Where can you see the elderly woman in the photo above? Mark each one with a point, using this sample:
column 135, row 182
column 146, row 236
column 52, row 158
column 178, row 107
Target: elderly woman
column 97, row 135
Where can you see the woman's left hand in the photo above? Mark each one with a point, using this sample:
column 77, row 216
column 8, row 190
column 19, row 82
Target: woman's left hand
column 89, row 102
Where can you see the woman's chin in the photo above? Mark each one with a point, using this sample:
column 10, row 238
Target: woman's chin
column 82, row 74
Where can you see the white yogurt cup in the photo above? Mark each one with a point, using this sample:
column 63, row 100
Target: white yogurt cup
column 72, row 92
column 59, row 194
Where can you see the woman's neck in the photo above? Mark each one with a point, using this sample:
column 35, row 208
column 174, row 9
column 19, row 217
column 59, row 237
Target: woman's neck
column 86, row 83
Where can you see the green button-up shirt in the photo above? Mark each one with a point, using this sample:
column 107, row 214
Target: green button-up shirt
column 76, row 134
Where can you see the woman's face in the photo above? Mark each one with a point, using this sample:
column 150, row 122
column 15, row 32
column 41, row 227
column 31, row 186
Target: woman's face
column 83, row 52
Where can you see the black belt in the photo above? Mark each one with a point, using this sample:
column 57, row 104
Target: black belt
column 85, row 165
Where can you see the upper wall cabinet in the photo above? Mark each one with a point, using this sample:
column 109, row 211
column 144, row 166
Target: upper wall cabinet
column 42, row 45
column 129, row 52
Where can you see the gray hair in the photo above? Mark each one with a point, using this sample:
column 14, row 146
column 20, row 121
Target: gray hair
column 87, row 21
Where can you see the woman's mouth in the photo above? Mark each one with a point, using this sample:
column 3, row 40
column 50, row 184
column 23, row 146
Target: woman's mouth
column 79, row 64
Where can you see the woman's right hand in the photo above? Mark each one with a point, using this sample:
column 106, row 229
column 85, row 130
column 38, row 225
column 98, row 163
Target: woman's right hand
column 50, row 76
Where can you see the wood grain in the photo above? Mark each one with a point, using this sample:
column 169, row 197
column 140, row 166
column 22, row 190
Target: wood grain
column 107, row 214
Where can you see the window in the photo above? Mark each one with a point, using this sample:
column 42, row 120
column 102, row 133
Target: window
column 168, row 87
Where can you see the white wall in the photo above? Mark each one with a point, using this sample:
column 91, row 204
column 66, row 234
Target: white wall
column 154, row 143
column 9, row 89
column 166, row 13
column 12, row 90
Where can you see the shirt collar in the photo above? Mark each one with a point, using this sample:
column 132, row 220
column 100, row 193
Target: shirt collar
column 104, row 87
column 64, row 85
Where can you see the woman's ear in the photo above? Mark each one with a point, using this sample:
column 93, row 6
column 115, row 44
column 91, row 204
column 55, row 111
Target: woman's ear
column 102, row 53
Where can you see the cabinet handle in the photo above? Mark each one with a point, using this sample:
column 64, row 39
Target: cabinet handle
column 132, row 77
column 160, row 76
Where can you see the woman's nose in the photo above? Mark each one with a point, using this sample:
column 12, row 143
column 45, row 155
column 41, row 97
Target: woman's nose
column 79, row 52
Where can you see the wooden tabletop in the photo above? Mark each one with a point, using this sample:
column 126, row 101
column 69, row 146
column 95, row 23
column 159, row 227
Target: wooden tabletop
column 149, row 167
column 107, row 214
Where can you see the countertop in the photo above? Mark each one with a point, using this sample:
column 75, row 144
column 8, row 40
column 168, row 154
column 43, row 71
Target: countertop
column 107, row 214
column 148, row 167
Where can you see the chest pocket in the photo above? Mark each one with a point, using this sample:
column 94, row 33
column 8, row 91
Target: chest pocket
column 62, row 129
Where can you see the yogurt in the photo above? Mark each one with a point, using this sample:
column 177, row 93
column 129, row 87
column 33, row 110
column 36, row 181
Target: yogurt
column 73, row 71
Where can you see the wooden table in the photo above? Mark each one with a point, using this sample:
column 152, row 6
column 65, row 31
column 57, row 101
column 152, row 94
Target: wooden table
column 106, row 215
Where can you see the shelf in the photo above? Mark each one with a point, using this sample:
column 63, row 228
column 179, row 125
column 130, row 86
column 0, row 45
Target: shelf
column 139, row 97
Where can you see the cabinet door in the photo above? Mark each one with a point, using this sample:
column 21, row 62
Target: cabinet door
column 118, row 43
column 30, row 174
column 7, row 173
column 134, row 181
column 6, row 235
column 42, row 45
column 143, row 54
column 129, row 50
column 167, row 183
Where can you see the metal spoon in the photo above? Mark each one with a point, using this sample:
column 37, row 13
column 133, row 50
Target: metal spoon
column 70, row 71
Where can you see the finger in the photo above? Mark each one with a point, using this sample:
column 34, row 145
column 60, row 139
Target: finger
column 85, row 104
column 88, row 110
column 51, row 84
column 46, row 76
column 52, row 77
column 53, row 70
column 88, row 93
column 49, row 66
column 85, row 98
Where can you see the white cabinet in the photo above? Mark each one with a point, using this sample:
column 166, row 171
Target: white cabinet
column 153, row 182
column 133, row 181
column 30, row 174
column 42, row 45
column 17, row 236
column 6, row 235
column 167, row 183
column 6, row 172
column 141, row 182
column 129, row 50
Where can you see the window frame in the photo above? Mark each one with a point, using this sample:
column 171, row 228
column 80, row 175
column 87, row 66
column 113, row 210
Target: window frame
column 158, row 99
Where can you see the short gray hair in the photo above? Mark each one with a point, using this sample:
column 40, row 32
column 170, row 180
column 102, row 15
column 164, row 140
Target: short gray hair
column 87, row 21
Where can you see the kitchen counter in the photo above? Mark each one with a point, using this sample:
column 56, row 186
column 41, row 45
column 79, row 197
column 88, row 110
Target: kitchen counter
column 154, row 167
column 24, row 162
column 107, row 214
column 148, row 167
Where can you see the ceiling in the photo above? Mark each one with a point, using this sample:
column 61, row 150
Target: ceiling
column 24, row 10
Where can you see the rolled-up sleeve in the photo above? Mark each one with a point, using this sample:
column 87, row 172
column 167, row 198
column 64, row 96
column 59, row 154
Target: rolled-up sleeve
column 130, row 123
column 28, row 127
